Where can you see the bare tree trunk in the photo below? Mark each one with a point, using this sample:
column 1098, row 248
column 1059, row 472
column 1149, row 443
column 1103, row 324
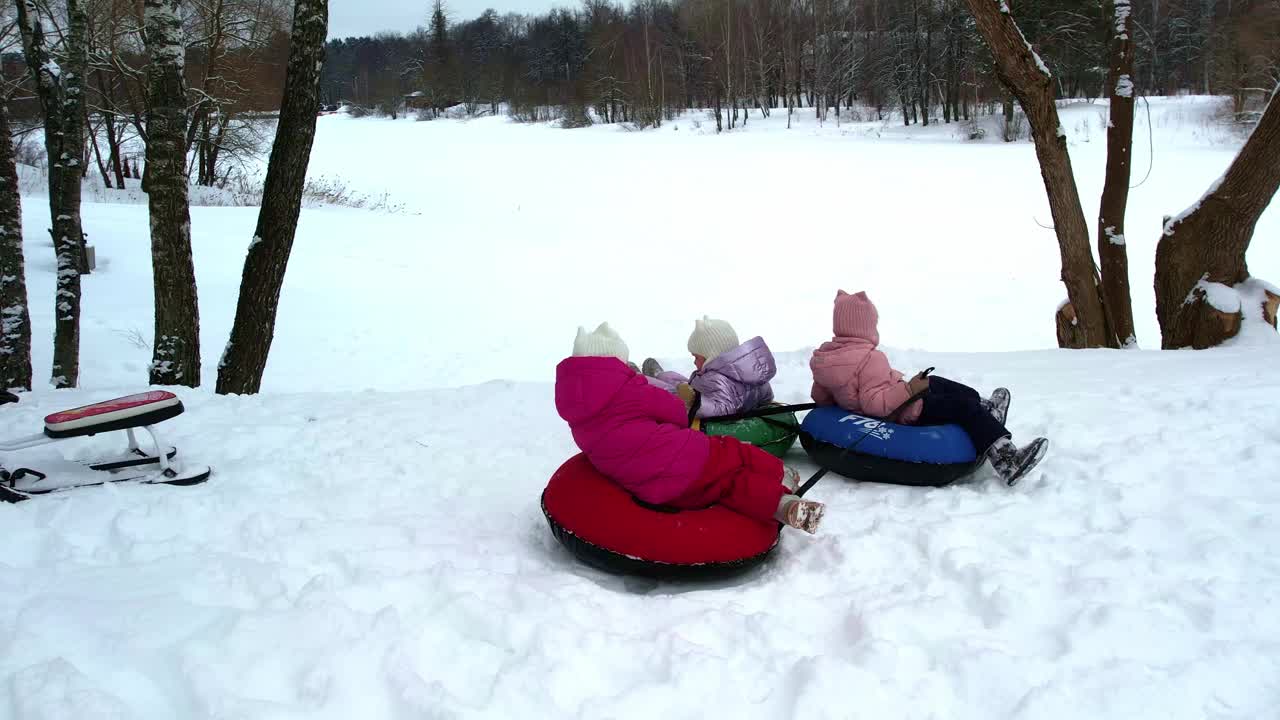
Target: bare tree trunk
column 15, row 319
column 113, row 138
column 245, row 358
column 1022, row 71
column 175, row 356
column 61, row 92
column 1112, row 254
column 1010, row 134
column 1207, row 243
column 97, row 154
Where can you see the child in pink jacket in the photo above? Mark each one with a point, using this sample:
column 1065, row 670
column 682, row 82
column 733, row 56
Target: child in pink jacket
column 638, row 436
column 850, row 371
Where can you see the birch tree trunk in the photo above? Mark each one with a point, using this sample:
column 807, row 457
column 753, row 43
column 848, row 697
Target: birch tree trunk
column 175, row 356
column 61, row 94
column 15, row 318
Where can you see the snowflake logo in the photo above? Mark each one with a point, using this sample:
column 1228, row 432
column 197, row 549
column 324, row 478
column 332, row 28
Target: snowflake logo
column 878, row 429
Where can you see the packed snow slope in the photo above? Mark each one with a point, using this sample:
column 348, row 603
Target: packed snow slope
column 371, row 543
column 383, row 555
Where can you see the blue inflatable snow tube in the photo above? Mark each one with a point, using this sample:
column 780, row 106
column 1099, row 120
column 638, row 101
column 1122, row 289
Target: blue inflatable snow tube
column 864, row 448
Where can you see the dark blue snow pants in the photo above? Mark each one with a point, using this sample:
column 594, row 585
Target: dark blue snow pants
column 948, row 402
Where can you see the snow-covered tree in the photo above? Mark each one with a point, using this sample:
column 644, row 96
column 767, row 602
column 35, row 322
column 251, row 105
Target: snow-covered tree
column 176, row 348
column 1112, row 253
column 15, row 319
column 1201, row 276
column 60, row 88
column 1028, row 78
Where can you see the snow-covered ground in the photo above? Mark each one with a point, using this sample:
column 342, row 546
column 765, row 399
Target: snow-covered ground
column 371, row 544
column 511, row 235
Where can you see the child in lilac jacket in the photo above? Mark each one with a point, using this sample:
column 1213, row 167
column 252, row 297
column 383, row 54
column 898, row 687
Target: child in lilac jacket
column 732, row 377
column 851, row 371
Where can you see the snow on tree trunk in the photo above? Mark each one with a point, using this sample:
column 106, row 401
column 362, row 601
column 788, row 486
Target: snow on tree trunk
column 1025, row 74
column 1112, row 254
column 1203, row 249
column 176, row 351
column 245, row 357
column 61, row 95
column 15, row 319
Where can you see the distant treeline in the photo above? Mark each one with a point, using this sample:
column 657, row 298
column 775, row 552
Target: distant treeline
column 916, row 60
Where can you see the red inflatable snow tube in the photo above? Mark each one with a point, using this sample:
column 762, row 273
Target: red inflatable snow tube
column 607, row 528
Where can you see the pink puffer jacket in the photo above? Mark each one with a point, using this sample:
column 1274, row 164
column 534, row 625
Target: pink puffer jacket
column 634, row 433
column 850, row 372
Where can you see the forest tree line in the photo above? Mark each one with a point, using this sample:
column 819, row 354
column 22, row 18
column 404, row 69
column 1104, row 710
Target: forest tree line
column 234, row 56
column 918, row 61
column 179, row 81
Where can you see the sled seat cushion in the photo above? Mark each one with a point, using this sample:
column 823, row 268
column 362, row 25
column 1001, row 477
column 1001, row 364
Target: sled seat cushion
column 130, row 411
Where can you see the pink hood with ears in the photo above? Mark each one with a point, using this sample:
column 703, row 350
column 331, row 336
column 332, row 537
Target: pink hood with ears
column 855, row 316
column 851, row 372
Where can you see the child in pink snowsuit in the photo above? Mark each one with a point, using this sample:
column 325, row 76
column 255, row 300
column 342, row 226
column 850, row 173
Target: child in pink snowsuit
column 850, row 371
column 638, row 436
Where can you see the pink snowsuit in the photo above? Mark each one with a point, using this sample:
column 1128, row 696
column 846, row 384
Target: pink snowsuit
column 850, row 372
column 639, row 436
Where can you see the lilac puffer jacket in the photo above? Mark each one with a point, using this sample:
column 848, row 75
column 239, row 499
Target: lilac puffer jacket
column 736, row 380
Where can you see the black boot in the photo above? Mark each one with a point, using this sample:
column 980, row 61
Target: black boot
column 1012, row 463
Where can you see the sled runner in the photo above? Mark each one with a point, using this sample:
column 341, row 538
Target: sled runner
column 133, row 412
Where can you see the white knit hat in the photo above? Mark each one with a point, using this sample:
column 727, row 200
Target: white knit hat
column 711, row 337
column 604, row 342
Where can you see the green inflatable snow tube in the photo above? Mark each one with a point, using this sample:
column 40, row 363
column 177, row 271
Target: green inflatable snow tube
column 775, row 434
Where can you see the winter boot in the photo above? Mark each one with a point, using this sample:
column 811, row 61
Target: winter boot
column 998, row 405
column 651, row 368
column 791, row 479
column 1012, row 463
column 800, row 514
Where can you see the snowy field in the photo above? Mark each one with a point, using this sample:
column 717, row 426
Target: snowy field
column 371, row 544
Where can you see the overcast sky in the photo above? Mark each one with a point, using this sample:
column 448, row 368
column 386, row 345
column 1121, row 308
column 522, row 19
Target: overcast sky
column 365, row 17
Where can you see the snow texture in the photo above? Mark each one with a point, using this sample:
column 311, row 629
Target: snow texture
column 1004, row 8
column 383, row 555
column 1114, row 237
column 164, row 22
column 371, row 544
column 1173, row 222
column 1254, row 328
column 1223, row 298
column 1039, row 63
column 1124, row 86
column 1123, row 9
